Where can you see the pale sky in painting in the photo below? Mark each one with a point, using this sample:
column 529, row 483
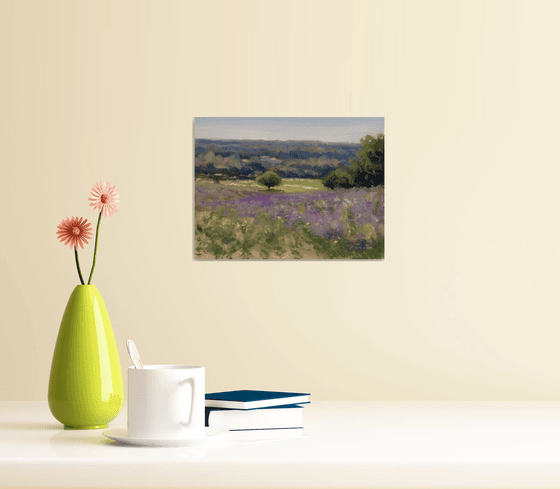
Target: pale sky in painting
column 331, row 129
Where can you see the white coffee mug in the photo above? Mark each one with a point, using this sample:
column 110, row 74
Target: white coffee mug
column 166, row 402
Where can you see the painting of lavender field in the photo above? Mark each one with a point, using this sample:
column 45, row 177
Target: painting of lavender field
column 289, row 188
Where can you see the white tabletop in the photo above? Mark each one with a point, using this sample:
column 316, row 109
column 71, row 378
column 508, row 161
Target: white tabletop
column 345, row 444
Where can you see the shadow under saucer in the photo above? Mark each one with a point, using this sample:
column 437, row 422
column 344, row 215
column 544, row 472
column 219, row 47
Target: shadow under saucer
column 82, row 443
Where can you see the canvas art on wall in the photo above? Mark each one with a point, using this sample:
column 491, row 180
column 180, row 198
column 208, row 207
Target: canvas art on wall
column 289, row 188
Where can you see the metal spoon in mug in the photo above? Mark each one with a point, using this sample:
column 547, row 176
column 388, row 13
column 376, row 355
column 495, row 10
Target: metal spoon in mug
column 134, row 355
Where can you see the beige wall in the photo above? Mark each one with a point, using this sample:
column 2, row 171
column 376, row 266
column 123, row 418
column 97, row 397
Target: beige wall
column 463, row 306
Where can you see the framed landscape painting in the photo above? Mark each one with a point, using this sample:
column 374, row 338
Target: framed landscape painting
column 289, row 188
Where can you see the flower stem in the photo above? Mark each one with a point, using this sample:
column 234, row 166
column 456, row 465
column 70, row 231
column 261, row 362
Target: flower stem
column 78, row 265
column 95, row 250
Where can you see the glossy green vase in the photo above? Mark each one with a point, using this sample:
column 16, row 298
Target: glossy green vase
column 85, row 386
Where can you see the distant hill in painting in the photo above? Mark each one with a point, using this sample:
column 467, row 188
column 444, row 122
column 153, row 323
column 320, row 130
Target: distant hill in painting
column 290, row 159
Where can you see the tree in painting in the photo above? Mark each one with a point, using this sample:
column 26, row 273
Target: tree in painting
column 269, row 179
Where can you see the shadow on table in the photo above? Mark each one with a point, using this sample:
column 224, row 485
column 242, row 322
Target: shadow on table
column 66, row 438
column 31, row 426
column 82, row 442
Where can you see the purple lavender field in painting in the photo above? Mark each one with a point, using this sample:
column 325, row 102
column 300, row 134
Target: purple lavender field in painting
column 289, row 188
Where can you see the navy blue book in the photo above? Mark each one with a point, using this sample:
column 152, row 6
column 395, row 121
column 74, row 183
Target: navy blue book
column 247, row 399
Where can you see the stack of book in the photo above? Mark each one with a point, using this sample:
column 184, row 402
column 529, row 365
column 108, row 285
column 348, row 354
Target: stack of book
column 256, row 411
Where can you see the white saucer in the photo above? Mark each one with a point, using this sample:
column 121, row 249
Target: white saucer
column 121, row 435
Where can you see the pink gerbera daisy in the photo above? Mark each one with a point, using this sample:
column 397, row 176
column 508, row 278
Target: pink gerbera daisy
column 104, row 198
column 74, row 231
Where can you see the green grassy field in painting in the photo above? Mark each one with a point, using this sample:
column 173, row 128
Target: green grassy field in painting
column 288, row 185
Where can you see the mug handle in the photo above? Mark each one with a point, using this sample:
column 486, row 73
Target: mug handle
column 194, row 390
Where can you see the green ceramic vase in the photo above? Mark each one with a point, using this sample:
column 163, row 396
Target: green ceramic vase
column 85, row 385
